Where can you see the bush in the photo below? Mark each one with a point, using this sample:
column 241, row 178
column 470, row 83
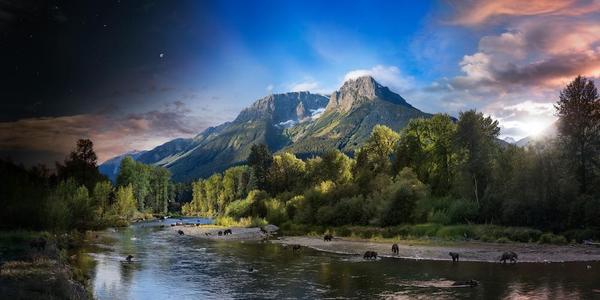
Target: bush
column 428, row 205
column 424, row 230
column 350, row 211
column 503, row 240
column 253, row 205
column 522, row 234
column 456, row 232
column 550, row 238
column 462, row 211
column 276, row 212
column 243, row 222
column 343, row 231
column 238, row 209
column 579, row 235
column 439, row 217
column 325, row 215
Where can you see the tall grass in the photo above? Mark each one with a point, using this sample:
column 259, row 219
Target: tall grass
column 461, row 232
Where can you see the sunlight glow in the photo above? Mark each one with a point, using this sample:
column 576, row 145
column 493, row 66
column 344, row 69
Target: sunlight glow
column 534, row 127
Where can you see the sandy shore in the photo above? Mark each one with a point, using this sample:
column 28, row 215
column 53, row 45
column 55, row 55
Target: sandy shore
column 469, row 251
column 237, row 233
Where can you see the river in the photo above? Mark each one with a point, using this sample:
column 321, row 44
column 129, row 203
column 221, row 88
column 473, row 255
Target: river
column 169, row 266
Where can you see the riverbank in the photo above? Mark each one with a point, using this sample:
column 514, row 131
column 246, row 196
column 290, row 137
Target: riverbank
column 408, row 249
column 469, row 251
column 212, row 232
column 38, row 272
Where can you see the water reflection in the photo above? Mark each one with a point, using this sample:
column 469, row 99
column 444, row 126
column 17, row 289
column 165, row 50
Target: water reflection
column 167, row 265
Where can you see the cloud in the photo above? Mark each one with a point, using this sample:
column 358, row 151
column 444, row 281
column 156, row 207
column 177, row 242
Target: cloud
column 516, row 73
column 470, row 13
column 308, row 85
column 390, row 76
column 111, row 134
column 270, row 88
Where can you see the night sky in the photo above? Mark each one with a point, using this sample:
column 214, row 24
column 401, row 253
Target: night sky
column 134, row 74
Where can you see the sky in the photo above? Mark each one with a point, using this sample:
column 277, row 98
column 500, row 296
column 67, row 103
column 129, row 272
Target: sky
column 132, row 75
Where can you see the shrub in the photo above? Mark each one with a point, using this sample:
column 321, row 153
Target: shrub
column 462, row 211
column 439, row 217
column 343, row 231
column 428, row 205
column 253, row 205
column 325, row 215
column 238, row 209
column 522, row 234
column 503, row 240
column 455, row 232
column 276, row 212
column 424, row 230
column 550, row 238
column 293, row 205
column 579, row 235
column 243, row 222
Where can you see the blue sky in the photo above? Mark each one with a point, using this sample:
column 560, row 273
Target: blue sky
column 135, row 74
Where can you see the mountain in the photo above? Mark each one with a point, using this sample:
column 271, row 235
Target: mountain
column 350, row 116
column 300, row 122
column 217, row 148
column 110, row 168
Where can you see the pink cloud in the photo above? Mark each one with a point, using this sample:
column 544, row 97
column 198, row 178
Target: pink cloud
column 479, row 12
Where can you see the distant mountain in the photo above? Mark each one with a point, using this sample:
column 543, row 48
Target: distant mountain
column 509, row 140
column 300, row 122
column 110, row 168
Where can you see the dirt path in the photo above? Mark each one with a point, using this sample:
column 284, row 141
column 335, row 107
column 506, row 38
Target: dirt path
column 469, row 251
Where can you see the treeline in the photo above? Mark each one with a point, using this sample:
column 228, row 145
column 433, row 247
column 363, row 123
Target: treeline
column 436, row 170
column 77, row 196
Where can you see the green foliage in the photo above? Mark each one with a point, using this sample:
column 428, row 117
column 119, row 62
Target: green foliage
column 253, row 205
column 333, row 165
column 125, row 202
column 475, row 142
column 243, row 222
column 426, row 146
column 550, row 238
column 260, row 160
column 101, row 196
column 151, row 185
column 276, row 211
column 285, row 172
column 399, row 199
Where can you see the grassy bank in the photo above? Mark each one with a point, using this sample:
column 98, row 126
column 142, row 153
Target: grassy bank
column 431, row 231
column 242, row 222
column 56, row 272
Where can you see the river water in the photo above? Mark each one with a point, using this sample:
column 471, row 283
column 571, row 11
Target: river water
column 169, row 266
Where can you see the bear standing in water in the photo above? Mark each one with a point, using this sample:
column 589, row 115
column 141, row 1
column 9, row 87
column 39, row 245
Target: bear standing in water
column 454, row 256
